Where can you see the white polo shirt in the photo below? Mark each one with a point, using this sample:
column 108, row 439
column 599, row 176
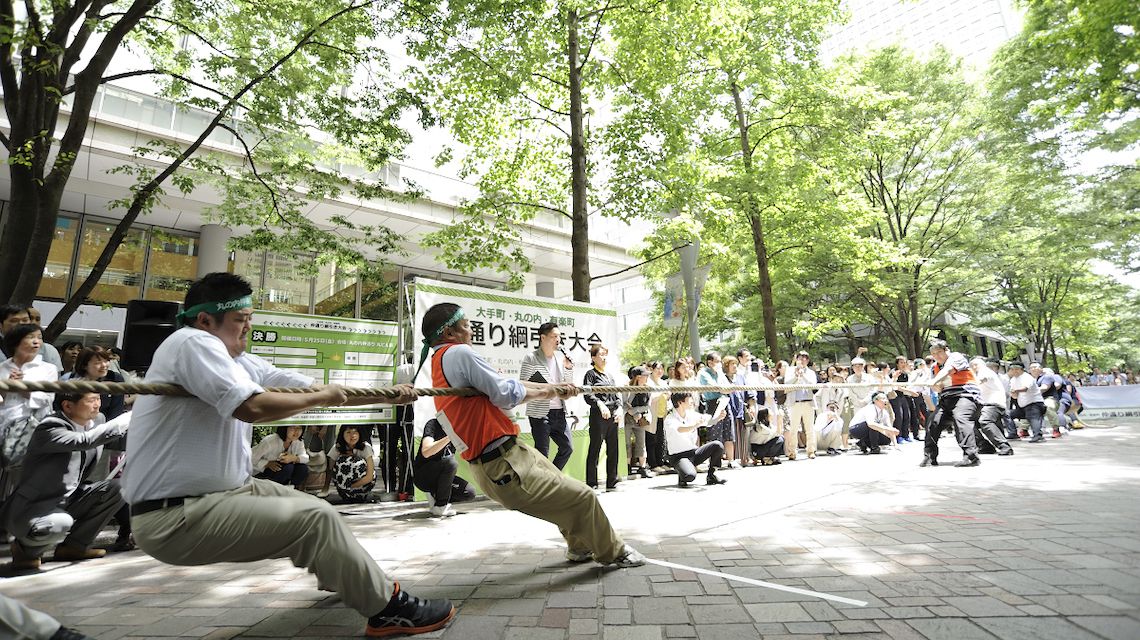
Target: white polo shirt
column 193, row 446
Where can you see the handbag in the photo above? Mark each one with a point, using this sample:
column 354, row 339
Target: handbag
column 16, row 436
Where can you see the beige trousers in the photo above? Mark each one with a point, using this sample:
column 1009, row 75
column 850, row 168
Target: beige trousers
column 524, row 480
column 803, row 419
column 263, row 520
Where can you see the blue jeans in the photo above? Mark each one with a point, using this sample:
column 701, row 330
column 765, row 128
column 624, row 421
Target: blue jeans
column 293, row 474
column 552, row 427
column 1034, row 413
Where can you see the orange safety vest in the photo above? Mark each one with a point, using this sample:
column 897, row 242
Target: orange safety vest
column 475, row 420
column 958, row 378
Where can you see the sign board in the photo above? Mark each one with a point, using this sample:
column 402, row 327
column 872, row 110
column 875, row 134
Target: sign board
column 1110, row 402
column 344, row 351
column 504, row 328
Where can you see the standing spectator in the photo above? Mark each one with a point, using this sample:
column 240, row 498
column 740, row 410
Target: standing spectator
column 637, row 416
column 548, row 364
column 801, row 405
column 740, row 402
column 68, row 354
column 684, row 454
column 658, row 409
column 12, row 316
column 603, row 421
column 434, row 471
column 991, row 418
column 282, row 457
column 958, row 405
column 47, row 349
column 901, row 404
column 722, row 430
column 354, row 466
column 25, row 363
column 857, row 397
column 54, row 502
column 1030, row 403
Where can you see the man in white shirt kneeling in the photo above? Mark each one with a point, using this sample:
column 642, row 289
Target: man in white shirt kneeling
column 681, row 438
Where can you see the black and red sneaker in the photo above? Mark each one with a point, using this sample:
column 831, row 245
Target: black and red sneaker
column 409, row 615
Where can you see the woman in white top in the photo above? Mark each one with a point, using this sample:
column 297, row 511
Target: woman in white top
column 829, row 428
column 23, row 342
column 282, row 457
column 354, row 471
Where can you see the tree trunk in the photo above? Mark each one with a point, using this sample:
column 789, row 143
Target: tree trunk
column 579, row 235
column 759, row 245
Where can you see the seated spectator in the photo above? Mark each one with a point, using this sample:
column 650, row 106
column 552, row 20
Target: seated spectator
column 765, row 444
column 681, row 439
column 282, row 457
column 54, row 504
column 433, row 471
column 354, row 466
column 829, row 428
column 319, row 443
column 871, row 425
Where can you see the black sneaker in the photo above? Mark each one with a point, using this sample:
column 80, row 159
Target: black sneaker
column 927, row 461
column 711, row 479
column 967, row 462
column 1037, row 438
column 69, row 634
column 409, row 615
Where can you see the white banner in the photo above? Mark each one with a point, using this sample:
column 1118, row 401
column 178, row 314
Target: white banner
column 504, row 328
column 1110, row 401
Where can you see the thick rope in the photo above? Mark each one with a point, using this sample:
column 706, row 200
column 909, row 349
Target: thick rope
column 564, row 390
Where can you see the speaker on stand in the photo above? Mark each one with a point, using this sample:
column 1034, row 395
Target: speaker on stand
column 149, row 322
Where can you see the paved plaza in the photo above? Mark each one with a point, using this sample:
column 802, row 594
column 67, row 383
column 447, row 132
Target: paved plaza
column 1044, row 545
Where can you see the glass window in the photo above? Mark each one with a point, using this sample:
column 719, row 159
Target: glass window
column 336, row 291
column 57, row 271
column 287, row 286
column 122, row 280
column 171, row 267
column 380, row 296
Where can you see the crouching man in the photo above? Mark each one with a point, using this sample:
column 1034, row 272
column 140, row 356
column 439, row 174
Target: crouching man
column 54, row 504
column 681, row 438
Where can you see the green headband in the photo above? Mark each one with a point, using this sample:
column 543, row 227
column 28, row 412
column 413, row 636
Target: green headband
column 428, row 340
column 187, row 315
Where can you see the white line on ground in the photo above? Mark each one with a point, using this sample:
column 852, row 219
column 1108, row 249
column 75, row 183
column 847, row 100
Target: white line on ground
column 759, row 583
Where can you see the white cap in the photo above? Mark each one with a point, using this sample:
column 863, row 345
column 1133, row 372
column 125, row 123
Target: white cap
column 857, row 360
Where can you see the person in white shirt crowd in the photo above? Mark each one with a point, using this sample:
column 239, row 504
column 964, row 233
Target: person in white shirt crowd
column 193, row 499
column 833, row 396
column 922, row 401
column 681, row 432
column 871, row 426
column 47, row 349
column 992, row 415
column 23, row 341
column 1030, row 405
column 1007, row 425
column 765, row 444
column 282, row 457
column 801, row 405
column 857, row 397
column 549, row 364
column 829, row 428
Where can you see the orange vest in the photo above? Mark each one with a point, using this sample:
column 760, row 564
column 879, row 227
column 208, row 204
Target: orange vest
column 475, row 420
column 958, row 378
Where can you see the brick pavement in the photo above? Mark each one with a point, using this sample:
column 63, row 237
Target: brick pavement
column 1040, row 546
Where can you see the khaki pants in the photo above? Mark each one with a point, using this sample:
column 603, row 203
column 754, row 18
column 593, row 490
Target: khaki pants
column 803, row 419
column 263, row 520
column 524, row 480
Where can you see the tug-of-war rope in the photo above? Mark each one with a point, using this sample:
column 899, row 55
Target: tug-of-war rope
column 391, row 393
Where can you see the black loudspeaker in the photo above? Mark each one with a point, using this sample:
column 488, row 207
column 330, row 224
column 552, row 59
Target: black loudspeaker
column 149, row 322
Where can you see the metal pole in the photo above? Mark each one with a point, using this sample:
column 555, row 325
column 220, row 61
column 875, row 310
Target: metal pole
column 688, row 275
